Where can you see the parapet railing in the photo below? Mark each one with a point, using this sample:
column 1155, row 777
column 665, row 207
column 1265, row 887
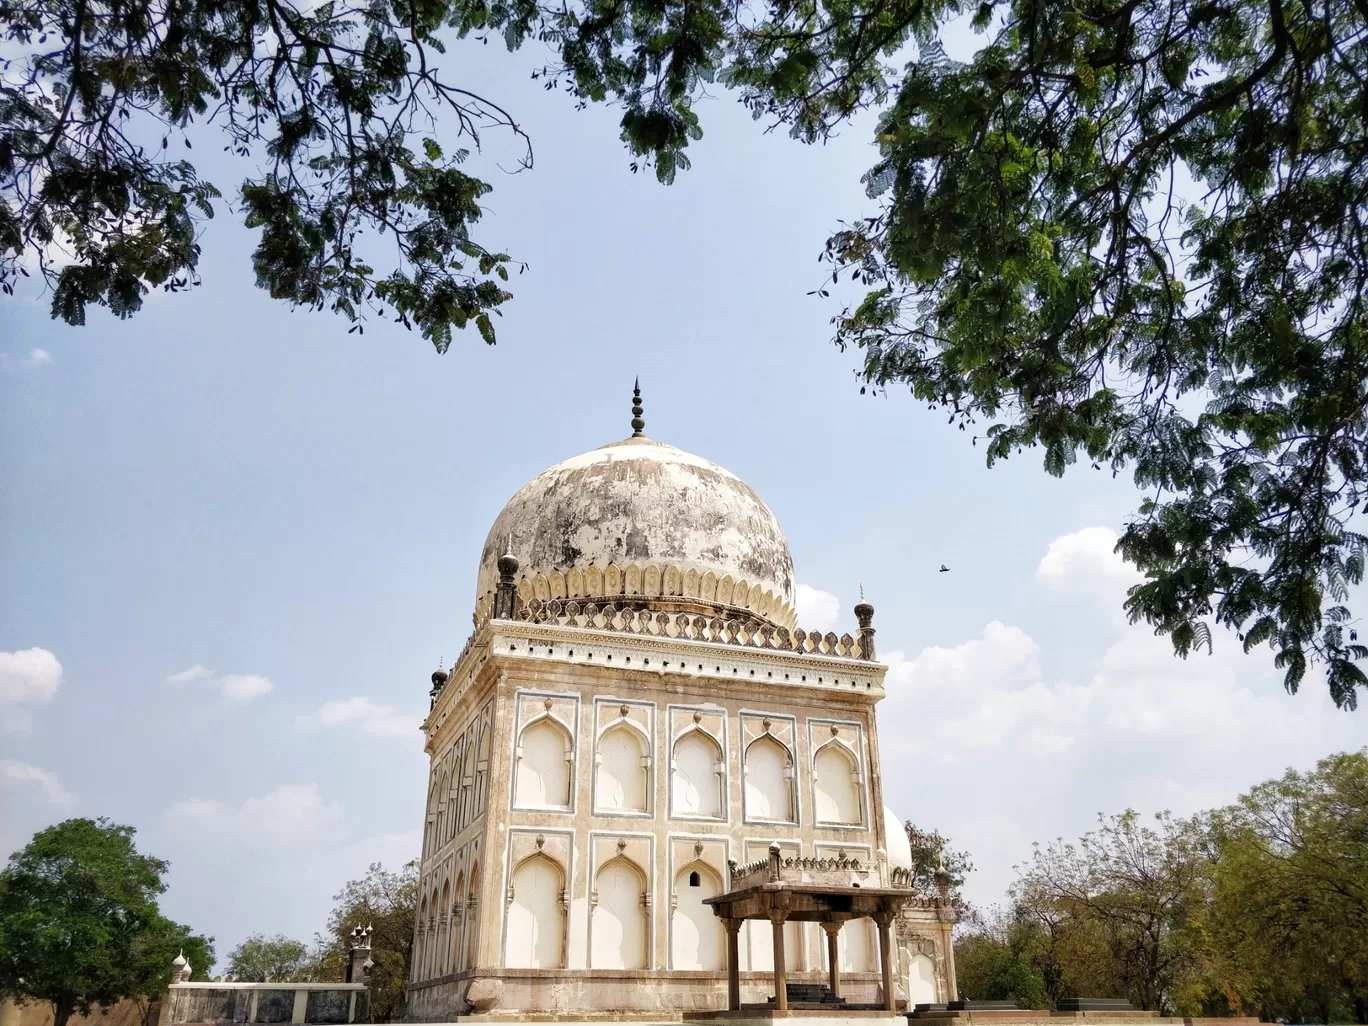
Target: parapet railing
column 799, row 869
column 629, row 618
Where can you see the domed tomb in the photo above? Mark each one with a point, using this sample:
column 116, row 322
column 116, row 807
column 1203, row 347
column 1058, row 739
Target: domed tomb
column 642, row 521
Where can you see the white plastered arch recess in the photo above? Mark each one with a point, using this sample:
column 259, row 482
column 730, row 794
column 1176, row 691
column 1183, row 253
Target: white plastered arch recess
column 768, row 772
column 697, row 762
column 838, row 784
column 622, row 765
column 619, row 921
column 544, row 767
column 535, row 920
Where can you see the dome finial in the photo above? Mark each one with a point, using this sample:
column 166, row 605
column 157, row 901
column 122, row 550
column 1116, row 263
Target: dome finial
column 637, row 422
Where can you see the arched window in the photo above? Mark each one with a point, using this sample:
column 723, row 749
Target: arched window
column 439, row 962
column 695, row 783
column 472, row 918
column 835, row 786
column 921, row 981
column 535, row 920
column 768, row 780
column 619, row 923
column 543, row 779
column 420, row 942
column 696, row 938
column 621, row 777
column 454, row 952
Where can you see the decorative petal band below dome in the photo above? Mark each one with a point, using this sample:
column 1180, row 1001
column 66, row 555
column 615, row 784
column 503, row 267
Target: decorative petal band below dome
column 675, row 590
column 627, row 618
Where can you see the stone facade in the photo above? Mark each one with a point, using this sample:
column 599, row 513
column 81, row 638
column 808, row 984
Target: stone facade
column 599, row 762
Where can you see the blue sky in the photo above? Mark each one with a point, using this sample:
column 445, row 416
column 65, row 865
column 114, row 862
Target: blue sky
column 236, row 539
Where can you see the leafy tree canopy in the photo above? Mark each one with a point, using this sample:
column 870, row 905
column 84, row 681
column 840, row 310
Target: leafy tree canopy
column 277, row 959
column 79, row 923
column 932, row 854
column 1260, row 909
column 1127, row 230
column 387, row 902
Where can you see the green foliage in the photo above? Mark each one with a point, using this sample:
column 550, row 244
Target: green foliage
column 995, row 963
column 1131, row 231
column 932, row 854
column 1287, row 927
column 1260, row 909
column 276, row 959
column 387, row 902
column 323, row 102
column 1134, row 232
column 1114, row 908
column 79, row 923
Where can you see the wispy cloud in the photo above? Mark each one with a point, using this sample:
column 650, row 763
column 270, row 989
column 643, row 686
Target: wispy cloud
column 371, row 717
column 33, row 359
column 235, row 687
column 290, row 814
column 16, row 775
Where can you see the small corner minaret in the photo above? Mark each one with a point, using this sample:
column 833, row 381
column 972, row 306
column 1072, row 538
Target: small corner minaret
column 638, row 425
column 506, row 593
column 864, row 613
column 439, row 679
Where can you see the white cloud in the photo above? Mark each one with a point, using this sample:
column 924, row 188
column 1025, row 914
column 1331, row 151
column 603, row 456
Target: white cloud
column 19, row 774
column 33, row 359
column 196, row 672
column 371, row 717
column 243, row 687
column 27, row 677
column 290, row 815
column 1086, row 562
column 988, row 742
column 817, row 609
column 235, row 687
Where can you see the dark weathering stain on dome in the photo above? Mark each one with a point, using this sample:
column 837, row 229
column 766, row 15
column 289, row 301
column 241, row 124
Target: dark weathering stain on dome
column 643, row 509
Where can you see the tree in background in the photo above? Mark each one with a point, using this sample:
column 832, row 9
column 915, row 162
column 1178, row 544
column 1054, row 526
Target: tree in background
column 277, row 959
column 997, row 960
column 1258, row 909
column 1115, row 907
column 1288, row 919
column 932, row 854
column 79, row 922
column 387, row 902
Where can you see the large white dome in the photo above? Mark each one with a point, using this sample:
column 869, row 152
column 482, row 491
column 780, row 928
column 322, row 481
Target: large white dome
column 639, row 518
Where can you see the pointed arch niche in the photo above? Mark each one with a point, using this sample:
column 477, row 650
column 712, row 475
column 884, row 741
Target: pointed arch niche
column 470, row 935
column 535, row 928
column 618, row 928
column 544, row 765
column 697, row 770
column 697, row 940
column 837, row 785
column 622, row 767
column 768, row 774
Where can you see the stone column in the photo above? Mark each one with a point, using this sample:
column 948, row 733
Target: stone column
column 833, row 933
column 777, row 918
column 733, row 964
column 884, row 919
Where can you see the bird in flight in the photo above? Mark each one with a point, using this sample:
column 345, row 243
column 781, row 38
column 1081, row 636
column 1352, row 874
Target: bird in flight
column 944, row 569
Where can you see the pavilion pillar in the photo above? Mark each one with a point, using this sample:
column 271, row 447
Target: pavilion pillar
column 833, row 933
column 733, row 964
column 884, row 921
column 777, row 918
